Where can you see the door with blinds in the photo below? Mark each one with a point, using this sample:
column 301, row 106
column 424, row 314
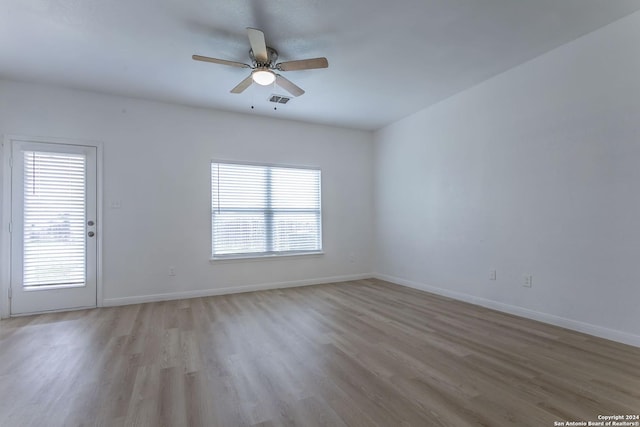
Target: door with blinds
column 53, row 227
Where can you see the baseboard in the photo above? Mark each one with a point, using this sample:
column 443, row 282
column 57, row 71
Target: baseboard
column 575, row 325
column 110, row 302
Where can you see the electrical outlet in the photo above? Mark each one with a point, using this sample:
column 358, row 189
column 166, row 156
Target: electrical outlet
column 172, row 271
column 528, row 281
column 493, row 275
column 352, row 257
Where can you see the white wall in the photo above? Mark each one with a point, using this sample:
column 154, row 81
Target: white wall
column 156, row 162
column 534, row 171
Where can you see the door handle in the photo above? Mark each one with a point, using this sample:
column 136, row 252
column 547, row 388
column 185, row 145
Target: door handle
column 91, row 234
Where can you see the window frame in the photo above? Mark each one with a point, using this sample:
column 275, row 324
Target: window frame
column 258, row 256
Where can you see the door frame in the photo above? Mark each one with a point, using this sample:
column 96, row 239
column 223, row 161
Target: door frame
column 5, row 235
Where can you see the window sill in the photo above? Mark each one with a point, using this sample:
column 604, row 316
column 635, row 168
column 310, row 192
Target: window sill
column 253, row 258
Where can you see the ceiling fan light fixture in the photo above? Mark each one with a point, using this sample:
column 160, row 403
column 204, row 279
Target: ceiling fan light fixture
column 263, row 77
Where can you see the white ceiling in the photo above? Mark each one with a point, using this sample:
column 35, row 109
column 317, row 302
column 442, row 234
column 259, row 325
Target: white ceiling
column 387, row 59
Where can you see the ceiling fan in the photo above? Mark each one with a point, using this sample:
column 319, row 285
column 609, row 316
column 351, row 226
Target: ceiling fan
column 265, row 69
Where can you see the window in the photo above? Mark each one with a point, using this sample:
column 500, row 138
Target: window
column 261, row 210
column 54, row 200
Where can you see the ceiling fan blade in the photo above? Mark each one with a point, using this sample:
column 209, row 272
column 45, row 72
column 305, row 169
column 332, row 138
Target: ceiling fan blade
column 303, row 64
column 220, row 61
column 288, row 86
column 258, row 45
column 242, row 85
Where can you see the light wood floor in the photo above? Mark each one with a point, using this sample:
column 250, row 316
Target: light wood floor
column 363, row 353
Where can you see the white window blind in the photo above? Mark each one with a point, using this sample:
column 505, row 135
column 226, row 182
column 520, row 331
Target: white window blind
column 264, row 210
column 54, row 219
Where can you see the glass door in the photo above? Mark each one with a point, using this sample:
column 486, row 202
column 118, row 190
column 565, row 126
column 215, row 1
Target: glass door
column 53, row 233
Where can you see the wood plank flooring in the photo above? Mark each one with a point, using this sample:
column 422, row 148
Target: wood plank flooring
column 362, row 353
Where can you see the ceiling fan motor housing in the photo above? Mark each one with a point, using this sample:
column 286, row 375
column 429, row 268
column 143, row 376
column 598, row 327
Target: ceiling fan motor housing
column 272, row 55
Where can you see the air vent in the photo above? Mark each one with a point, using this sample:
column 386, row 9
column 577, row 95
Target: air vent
column 279, row 99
